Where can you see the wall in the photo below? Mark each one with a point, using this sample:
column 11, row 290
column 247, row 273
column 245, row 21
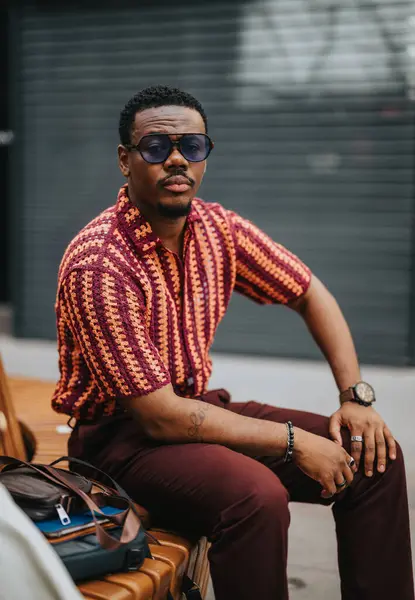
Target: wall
column 312, row 115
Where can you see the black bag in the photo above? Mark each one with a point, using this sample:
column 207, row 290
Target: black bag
column 109, row 543
column 46, row 493
column 37, row 496
column 85, row 558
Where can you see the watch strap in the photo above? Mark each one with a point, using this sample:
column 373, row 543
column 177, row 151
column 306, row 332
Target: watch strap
column 348, row 395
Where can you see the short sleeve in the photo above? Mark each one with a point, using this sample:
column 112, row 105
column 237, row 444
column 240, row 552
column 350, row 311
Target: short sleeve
column 105, row 314
column 266, row 272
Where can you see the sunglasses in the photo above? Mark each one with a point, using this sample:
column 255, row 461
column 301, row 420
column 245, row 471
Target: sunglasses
column 156, row 147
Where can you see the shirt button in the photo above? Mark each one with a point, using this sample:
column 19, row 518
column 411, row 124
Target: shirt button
column 190, row 381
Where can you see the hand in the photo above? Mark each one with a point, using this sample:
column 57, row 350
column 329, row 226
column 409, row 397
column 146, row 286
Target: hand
column 323, row 460
column 366, row 422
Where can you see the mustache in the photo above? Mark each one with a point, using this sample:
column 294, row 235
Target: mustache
column 177, row 173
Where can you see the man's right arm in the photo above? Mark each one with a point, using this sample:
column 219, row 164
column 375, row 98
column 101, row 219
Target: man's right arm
column 168, row 418
column 106, row 314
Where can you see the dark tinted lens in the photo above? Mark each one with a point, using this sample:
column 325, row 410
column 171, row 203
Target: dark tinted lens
column 195, row 147
column 155, row 148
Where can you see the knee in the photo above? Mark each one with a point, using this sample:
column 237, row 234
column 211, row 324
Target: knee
column 261, row 497
column 271, row 502
column 394, row 475
column 398, row 465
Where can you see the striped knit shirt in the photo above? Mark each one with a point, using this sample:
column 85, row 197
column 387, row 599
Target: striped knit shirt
column 132, row 316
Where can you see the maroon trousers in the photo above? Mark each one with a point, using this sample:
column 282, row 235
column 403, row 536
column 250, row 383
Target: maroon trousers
column 241, row 505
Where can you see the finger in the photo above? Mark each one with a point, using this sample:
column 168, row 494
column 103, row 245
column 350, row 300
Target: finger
column 329, row 488
column 335, row 427
column 341, row 481
column 356, row 447
column 351, row 464
column 390, row 440
column 380, row 450
column 370, row 449
column 348, row 473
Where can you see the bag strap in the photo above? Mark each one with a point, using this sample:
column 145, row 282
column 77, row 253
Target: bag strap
column 78, row 461
column 130, row 526
column 189, row 588
column 54, row 475
column 116, row 485
column 118, row 518
column 10, row 460
column 131, row 523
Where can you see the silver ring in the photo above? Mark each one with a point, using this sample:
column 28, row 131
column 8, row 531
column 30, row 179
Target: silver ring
column 357, row 438
column 339, row 486
column 352, row 462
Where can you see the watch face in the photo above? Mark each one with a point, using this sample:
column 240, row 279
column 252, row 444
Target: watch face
column 365, row 392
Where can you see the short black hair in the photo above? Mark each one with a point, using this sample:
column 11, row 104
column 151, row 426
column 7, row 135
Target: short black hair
column 154, row 96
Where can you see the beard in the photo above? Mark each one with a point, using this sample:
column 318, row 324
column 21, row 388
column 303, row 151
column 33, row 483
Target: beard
column 174, row 211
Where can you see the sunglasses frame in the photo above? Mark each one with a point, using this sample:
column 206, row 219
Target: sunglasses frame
column 173, row 145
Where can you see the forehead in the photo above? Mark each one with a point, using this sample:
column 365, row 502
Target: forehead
column 167, row 119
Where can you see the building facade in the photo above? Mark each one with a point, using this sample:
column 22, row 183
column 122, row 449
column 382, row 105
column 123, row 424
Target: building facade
column 312, row 114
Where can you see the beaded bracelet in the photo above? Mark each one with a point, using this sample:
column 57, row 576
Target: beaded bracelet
column 290, row 442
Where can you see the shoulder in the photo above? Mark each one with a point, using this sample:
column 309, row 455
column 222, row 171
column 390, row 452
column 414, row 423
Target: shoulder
column 85, row 249
column 212, row 213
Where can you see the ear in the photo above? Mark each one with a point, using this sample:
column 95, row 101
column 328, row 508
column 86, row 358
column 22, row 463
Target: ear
column 123, row 160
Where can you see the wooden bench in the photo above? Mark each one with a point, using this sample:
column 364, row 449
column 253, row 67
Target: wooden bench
column 30, row 400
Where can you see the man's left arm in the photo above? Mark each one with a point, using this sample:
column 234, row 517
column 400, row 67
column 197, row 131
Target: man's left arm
column 268, row 273
column 329, row 329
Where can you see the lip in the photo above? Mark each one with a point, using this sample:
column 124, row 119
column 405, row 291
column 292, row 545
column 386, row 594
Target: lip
column 177, row 183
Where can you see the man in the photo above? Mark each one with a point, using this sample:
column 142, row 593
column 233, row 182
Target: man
column 142, row 289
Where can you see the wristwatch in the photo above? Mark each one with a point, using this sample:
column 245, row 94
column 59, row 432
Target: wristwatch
column 362, row 393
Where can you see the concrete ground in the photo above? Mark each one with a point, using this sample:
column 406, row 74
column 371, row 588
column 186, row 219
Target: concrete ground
column 297, row 384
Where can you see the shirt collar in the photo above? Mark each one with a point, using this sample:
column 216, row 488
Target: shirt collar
column 137, row 227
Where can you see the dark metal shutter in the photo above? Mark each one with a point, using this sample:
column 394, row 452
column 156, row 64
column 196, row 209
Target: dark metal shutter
column 316, row 154
column 4, row 151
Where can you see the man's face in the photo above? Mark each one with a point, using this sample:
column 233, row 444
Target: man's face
column 149, row 183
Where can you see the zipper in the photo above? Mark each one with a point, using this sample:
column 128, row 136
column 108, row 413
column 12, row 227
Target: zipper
column 62, row 514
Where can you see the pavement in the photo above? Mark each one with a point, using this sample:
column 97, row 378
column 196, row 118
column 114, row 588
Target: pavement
column 298, row 384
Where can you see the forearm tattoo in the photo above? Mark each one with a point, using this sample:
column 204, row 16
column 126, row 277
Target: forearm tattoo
column 197, row 418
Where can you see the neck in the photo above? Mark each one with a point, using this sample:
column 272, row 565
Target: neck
column 170, row 231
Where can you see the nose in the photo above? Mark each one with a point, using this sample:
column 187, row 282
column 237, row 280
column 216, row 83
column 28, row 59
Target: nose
column 175, row 160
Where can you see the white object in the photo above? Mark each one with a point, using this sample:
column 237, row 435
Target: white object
column 63, row 429
column 3, row 422
column 29, row 567
column 62, row 514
